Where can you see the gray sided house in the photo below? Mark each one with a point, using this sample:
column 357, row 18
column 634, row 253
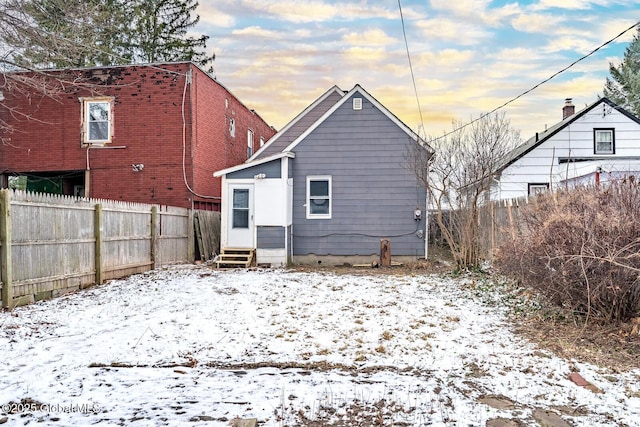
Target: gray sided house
column 328, row 187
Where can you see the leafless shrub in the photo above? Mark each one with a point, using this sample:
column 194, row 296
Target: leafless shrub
column 581, row 249
column 458, row 178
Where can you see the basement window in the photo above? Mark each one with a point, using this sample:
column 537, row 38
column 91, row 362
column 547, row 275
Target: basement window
column 318, row 197
column 97, row 120
column 537, row 188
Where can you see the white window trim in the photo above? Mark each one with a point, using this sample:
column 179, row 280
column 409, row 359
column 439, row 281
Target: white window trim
column 232, row 127
column 249, row 143
column 85, row 103
column 308, row 198
column 536, row 188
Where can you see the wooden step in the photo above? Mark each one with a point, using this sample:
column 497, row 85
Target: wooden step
column 236, row 257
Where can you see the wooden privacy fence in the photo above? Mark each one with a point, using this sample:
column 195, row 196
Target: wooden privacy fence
column 51, row 244
column 498, row 220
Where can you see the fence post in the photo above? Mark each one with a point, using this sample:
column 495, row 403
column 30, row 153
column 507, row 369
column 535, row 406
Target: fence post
column 154, row 236
column 97, row 225
column 191, row 241
column 5, row 248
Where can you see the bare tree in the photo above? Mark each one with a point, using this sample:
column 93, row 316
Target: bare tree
column 459, row 177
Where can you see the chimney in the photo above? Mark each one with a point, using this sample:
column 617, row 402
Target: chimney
column 569, row 109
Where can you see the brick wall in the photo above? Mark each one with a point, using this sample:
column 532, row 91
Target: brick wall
column 148, row 130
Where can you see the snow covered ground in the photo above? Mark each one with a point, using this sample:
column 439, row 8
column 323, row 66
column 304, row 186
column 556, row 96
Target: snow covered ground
column 190, row 345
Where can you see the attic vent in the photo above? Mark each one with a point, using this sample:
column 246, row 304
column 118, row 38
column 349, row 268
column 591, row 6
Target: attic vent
column 357, row 103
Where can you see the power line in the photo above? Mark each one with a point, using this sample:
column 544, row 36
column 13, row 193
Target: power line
column 539, row 84
column 413, row 79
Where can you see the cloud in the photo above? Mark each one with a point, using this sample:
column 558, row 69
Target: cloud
column 365, row 55
column 210, row 15
column 315, row 11
column 461, row 7
column 256, row 31
column 537, row 23
column 449, row 30
column 372, row 37
column 561, row 4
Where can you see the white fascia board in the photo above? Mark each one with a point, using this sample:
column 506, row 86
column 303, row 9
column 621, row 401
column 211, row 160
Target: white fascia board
column 296, row 119
column 364, row 93
column 255, row 163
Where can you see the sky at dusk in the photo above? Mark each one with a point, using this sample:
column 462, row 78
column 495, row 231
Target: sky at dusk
column 468, row 56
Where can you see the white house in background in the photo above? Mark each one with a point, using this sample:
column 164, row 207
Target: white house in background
column 600, row 142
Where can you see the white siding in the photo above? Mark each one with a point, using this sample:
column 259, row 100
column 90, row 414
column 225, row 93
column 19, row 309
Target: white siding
column 542, row 164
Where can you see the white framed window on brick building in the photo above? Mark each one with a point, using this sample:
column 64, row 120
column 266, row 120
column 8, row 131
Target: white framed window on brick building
column 249, row 143
column 232, row 127
column 97, row 120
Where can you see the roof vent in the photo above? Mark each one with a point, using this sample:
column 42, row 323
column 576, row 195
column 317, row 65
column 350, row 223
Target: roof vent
column 357, row 103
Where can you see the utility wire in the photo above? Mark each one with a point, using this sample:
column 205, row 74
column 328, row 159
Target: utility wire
column 413, row 79
column 539, row 84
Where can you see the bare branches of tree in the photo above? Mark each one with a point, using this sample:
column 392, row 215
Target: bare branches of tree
column 459, row 178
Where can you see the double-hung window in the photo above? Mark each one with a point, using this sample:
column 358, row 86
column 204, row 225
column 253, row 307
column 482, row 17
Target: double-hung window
column 604, row 141
column 232, row 127
column 319, row 197
column 249, row 143
column 97, row 120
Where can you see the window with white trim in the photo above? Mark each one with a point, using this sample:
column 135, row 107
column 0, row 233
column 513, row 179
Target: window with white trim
column 537, row 188
column 249, row 143
column 318, row 197
column 232, row 127
column 604, row 141
column 97, row 120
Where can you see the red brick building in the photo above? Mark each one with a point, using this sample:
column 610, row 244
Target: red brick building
column 140, row 133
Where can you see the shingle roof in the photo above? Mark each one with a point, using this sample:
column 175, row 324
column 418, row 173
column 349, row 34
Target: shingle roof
column 541, row 137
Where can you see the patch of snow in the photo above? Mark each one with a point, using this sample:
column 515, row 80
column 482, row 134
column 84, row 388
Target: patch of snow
column 189, row 344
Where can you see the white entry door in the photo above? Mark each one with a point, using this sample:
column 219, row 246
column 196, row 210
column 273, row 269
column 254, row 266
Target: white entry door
column 240, row 216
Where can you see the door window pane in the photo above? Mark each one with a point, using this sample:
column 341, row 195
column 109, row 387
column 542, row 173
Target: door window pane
column 240, row 208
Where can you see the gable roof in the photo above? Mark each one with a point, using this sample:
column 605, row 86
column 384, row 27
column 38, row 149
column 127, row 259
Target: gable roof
column 308, row 120
column 357, row 89
column 540, row 137
column 299, row 124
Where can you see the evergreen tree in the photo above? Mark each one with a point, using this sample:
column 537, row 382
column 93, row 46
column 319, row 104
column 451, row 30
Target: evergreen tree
column 623, row 87
column 71, row 33
column 83, row 33
column 160, row 32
